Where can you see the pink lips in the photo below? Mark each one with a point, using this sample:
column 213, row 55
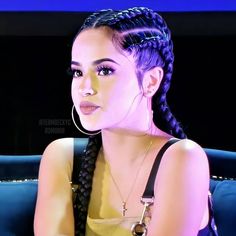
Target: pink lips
column 88, row 108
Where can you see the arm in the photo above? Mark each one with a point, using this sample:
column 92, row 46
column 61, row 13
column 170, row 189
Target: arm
column 181, row 191
column 54, row 211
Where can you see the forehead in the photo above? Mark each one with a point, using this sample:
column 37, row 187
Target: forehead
column 95, row 44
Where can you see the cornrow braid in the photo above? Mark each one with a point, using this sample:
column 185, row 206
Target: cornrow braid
column 164, row 116
column 94, row 18
column 145, row 33
column 117, row 18
column 156, row 41
column 82, row 194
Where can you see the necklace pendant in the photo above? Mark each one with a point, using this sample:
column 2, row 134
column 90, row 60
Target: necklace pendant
column 124, row 209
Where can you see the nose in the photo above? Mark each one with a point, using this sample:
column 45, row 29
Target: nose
column 86, row 87
column 86, row 92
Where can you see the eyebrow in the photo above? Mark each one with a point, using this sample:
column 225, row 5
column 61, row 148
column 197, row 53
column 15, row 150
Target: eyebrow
column 96, row 62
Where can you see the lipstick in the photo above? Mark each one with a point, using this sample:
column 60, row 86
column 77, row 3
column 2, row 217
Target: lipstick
column 88, row 108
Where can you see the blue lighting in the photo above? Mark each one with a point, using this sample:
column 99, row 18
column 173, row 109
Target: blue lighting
column 94, row 5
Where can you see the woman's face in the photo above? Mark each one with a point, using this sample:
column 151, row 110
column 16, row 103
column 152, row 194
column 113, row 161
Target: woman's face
column 108, row 76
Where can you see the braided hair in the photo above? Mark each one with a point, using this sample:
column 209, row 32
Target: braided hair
column 145, row 34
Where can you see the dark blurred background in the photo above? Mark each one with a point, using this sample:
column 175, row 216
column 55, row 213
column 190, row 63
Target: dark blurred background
column 35, row 96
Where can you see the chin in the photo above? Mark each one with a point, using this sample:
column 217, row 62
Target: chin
column 91, row 127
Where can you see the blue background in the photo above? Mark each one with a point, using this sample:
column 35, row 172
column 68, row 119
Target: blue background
column 81, row 5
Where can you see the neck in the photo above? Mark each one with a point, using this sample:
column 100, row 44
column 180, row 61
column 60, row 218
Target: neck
column 122, row 146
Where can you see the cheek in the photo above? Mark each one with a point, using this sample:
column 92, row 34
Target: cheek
column 121, row 95
column 111, row 93
column 74, row 91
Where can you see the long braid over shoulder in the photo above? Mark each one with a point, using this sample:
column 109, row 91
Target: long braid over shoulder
column 85, row 180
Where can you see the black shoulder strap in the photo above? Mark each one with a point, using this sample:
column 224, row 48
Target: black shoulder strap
column 79, row 147
column 149, row 190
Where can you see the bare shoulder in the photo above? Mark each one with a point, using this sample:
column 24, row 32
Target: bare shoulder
column 183, row 164
column 59, row 153
column 60, row 150
column 54, row 212
column 181, row 188
column 60, row 145
column 186, row 150
column 187, row 156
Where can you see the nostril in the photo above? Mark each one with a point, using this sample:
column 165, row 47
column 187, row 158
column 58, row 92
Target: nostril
column 86, row 92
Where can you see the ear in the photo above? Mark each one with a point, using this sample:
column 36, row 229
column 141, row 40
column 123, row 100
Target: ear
column 151, row 81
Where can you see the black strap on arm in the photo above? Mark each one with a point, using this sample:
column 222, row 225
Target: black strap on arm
column 149, row 190
column 79, row 148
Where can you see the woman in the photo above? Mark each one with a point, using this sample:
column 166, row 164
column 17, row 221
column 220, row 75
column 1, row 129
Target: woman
column 122, row 63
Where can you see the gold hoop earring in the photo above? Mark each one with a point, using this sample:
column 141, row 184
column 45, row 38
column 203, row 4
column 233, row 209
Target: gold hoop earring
column 82, row 131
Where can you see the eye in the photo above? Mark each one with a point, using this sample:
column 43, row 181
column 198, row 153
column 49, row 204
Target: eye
column 77, row 73
column 105, row 70
column 74, row 72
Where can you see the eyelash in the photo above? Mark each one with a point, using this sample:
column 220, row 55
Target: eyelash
column 72, row 71
column 104, row 67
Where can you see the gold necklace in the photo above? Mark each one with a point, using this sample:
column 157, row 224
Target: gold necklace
column 124, row 201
